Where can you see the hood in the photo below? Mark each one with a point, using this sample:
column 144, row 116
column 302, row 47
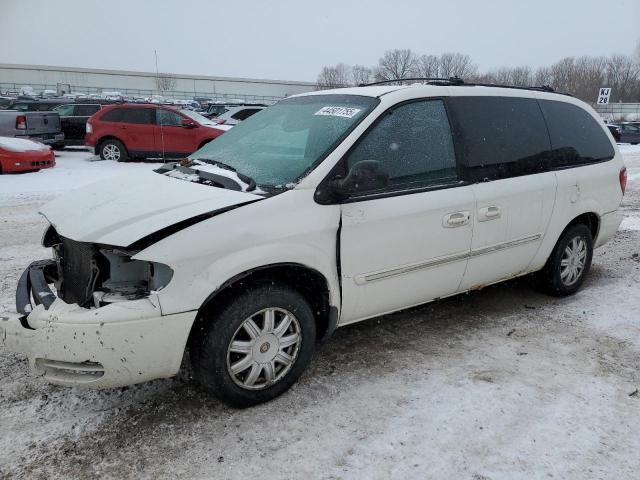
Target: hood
column 122, row 210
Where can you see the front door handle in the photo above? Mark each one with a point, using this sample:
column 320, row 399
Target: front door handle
column 456, row 219
column 489, row 213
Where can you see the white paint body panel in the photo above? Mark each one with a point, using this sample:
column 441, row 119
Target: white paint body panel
column 124, row 209
column 392, row 249
column 395, row 252
column 522, row 208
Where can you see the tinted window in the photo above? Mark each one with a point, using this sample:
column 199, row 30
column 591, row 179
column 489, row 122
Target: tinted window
column 86, row 110
column 21, row 107
column 499, row 137
column 412, row 143
column 114, row 115
column 169, row 118
column 576, row 137
column 139, row 115
column 64, row 110
column 244, row 114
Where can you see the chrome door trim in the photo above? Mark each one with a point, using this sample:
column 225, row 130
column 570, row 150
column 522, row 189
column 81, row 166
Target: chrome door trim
column 365, row 278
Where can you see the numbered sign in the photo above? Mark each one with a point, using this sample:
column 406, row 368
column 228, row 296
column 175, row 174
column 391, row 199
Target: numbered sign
column 603, row 96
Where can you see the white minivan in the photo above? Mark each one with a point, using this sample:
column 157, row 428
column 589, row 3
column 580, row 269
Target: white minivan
column 325, row 209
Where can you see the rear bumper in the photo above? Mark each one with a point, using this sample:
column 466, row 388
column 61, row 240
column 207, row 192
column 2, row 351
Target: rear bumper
column 48, row 138
column 115, row 345
column 609, row 224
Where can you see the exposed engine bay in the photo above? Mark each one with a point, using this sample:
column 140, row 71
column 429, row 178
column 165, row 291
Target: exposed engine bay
column 93, row 275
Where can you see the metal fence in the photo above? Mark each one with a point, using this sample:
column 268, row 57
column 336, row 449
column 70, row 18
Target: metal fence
column 13, row 88
column 620, row 111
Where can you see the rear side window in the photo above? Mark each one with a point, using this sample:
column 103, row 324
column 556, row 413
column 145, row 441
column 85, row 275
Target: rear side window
column 499, row 137
column 114, row 115
column 244, row 114
column 145, row 116
column 413, row 144
column 576, row 137
column 86, row 110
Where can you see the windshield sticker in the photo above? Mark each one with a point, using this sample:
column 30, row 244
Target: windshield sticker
column 346, row 112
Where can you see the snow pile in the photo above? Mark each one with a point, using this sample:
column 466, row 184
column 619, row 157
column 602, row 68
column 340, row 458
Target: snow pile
column 19, row 145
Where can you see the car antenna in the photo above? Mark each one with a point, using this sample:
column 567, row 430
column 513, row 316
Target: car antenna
column 155, row 52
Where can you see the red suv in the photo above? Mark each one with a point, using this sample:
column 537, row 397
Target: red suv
column 120, row 132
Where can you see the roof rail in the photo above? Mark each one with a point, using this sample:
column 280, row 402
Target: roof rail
column 430, row 81
column 457, row 81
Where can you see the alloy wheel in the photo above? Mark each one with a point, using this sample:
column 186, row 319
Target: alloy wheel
column 111, row 152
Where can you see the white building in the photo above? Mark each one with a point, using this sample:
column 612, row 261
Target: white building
column 86, row 80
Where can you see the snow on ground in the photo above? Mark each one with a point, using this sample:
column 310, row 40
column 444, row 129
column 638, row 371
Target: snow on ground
column 504, row 383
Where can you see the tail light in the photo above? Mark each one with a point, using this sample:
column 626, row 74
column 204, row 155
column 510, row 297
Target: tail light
column 623, row 179
column 89, row 127
column 21, row 122
column 219, row 121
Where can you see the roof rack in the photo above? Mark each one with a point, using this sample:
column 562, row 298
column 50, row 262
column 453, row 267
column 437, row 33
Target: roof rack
column 430, row 81
column 457, row 81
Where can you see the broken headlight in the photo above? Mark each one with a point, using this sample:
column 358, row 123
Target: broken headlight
column 129, row 279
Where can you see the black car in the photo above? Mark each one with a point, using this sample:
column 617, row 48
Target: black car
column 629, row 133
column 615, row 132
column 73, row 120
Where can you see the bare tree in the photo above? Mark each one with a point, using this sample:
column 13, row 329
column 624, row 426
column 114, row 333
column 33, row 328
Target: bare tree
column 590, row 76
column 337, row 76
column 623, row 75
column 396, row 65
column 457, row 65
column 542, row 77
column 427, row 66
column 361, row 74
column 165, row 82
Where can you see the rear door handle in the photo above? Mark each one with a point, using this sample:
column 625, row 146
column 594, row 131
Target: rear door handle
column 489, row 213
column 456, row 219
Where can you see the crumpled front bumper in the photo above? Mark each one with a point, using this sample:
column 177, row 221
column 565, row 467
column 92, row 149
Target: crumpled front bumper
column 115, row 345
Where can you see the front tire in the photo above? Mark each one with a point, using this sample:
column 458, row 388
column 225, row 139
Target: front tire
column 113, row 150
column 569, row 262
column 256, row 347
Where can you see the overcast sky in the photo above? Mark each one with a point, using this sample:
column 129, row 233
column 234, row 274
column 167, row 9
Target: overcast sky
column 293, row 39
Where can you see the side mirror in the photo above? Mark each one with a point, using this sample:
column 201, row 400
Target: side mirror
column 186, row 123
column 364, row 176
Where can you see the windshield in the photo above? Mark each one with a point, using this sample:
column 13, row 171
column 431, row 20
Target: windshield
column 277, row 145
column 217, row 110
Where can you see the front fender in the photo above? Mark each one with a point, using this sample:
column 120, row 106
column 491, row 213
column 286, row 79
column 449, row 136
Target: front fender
column 286, row 229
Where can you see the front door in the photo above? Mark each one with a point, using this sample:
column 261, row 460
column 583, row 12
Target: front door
column 409, row 242
column 174, row 138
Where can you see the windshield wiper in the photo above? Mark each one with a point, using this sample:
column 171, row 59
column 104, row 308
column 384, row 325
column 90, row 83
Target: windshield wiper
column 245, row 178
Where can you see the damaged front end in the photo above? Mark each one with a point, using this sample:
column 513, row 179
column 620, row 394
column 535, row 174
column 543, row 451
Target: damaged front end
column 103, row 327
column 87, row 274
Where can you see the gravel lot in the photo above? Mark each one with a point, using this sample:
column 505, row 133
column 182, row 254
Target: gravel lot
column 504, row 383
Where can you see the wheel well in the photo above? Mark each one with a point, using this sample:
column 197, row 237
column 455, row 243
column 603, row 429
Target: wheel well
column 309, row 282
column 591, row 220
column 204, row 143
column 109, row 137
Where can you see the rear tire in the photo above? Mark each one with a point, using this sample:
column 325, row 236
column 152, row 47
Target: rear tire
column 256, row 347
column 113, row 150
column 569, row 263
